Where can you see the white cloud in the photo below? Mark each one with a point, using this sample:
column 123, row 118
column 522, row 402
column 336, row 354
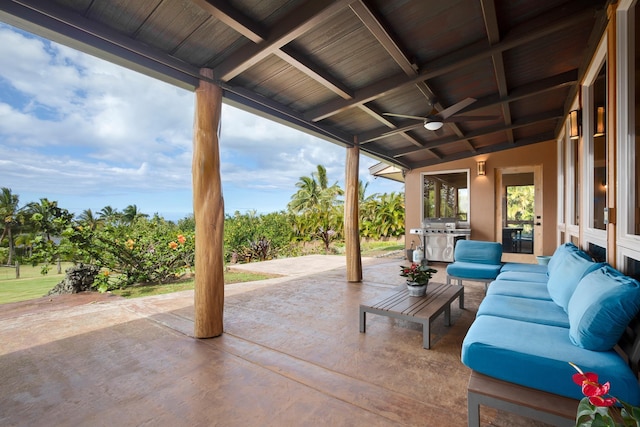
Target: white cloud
column 73, row 124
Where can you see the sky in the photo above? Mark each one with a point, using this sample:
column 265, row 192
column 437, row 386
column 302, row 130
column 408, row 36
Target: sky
column 89, row 134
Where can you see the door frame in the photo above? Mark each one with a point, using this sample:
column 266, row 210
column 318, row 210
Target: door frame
column 538, row 224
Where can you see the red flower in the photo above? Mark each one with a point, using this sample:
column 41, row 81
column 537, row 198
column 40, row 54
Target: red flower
column 602, row 401
column 593, row 389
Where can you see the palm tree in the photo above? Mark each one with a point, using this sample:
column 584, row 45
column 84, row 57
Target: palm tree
column 317, row 202
column 47, row 218
column 109, row 215
column 9, row 213
column 314, row 193
column 131, row 213
column 89, row 219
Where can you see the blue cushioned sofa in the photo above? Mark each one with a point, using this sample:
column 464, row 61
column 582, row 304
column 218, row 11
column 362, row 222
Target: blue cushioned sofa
column 535, row 319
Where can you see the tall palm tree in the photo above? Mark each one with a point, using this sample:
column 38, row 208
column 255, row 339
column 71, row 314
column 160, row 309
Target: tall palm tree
column 89, row 219
column 314, row 193
column 317, row 202
column 9, row 213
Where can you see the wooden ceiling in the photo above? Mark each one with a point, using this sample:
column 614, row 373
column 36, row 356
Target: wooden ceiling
column 332, row 68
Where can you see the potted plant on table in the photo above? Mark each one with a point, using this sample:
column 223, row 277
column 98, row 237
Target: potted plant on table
column 418, row 276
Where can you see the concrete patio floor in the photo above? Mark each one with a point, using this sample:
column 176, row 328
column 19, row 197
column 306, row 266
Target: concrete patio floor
column 291, row 355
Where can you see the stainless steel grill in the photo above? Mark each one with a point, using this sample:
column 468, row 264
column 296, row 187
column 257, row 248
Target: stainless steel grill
column 439, row 237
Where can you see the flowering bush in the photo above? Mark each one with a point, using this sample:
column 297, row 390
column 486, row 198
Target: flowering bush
column 417, row 273
column 147, row 251
column 598, row 407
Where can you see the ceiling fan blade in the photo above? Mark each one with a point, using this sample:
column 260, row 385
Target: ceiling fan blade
column 404, row 115
column 450, row 111
column 470, row 118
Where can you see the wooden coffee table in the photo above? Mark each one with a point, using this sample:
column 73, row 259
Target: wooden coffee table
column 423, row 310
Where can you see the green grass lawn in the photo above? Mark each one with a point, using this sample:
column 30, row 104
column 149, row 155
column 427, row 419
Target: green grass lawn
column 32, row 284
column 14, row 290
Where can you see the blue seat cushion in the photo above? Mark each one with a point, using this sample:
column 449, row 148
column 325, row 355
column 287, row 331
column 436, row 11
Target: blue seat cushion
column 477, row 251
column 472, row 270
column 526, row 309
column 520, row 266
column 523, row 276
column 536, row 356
column 601, row 307
column 519, row 289
column 565, row 276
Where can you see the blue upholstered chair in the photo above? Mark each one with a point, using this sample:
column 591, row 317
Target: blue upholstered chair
column 475, row 260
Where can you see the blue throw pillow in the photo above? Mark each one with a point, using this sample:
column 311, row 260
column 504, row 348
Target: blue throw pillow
column 561, row 252
column 566, row 274
column 601, row 307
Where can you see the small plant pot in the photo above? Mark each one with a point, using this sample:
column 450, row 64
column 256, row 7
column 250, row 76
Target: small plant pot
column 543, row 259
column 416, row 290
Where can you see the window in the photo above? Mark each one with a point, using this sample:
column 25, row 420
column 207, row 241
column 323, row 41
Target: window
column 446, row 195
column 598, row 127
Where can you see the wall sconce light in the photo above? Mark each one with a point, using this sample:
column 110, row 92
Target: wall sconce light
column 574, row 124
column 600, row 122
column 482, row 168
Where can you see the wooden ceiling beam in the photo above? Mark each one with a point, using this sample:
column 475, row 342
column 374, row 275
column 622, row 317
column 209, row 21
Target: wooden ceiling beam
column 304, row 64
column 380, row 31
column 233, row 18
column 536, row 88
column 528, row 121
column 455, row 60
column 252, row 30
column 493, row 34
column 297, row 22
column 543, row 137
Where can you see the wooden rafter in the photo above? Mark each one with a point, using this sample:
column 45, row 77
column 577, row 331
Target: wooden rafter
column 446, row 64
column 296, row 23
column 493, row 34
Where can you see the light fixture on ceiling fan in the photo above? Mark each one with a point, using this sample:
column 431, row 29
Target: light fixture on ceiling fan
column 435, row 121
column 433, row 124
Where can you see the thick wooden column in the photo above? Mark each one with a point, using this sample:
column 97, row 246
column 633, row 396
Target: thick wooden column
column 208, row 211
column 351, row 215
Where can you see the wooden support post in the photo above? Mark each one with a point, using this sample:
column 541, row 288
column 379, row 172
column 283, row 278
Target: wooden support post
column 208, row 211
column 351, row 215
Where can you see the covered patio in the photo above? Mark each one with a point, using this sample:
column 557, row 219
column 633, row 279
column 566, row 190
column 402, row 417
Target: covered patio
column 291, row 355
column 422, row 86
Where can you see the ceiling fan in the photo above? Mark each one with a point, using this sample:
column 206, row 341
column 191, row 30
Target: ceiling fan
column 436, row 121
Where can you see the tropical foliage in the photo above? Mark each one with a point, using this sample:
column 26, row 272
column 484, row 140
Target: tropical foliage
column 132, row 247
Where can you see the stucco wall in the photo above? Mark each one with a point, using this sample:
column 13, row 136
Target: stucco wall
column 482, row 192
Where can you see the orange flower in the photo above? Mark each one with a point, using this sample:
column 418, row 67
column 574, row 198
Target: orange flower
column 106, row 273
column 181, row 239
column 173, row 245
column 130, row 244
